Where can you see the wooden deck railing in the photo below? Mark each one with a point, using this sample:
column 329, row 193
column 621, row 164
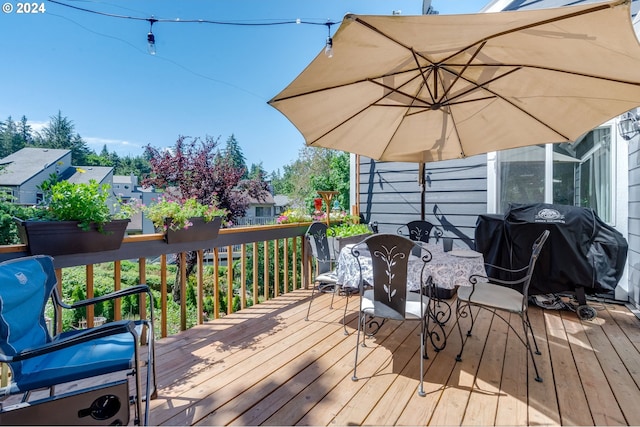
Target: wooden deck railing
column 292, row 259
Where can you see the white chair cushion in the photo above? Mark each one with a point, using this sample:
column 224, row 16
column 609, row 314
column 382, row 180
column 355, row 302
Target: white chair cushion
column 492, row 295
column 412, row 310
column 328, row 277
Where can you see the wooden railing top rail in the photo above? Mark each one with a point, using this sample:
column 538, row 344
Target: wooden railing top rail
column 153, row 245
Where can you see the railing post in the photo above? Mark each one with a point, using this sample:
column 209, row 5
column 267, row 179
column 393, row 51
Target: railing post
column 256, row 295
column 216, row 283
column 243, row 276
column 276, row 268
column 142, row 268
column 163, row 294
column 265, row 260
column 117, row 285
column 229, row 279
column 90, row 312
column 200, row 290
column 183, row 291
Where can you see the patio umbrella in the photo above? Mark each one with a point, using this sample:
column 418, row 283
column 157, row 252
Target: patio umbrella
column 436, row 87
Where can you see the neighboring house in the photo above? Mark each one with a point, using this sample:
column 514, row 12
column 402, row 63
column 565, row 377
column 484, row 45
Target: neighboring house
column 125, row 188
column 281, row 204
column 259, row 212
column 23, row 172
column 601, row 170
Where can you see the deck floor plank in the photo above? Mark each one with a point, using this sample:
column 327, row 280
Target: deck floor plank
column 543, row 398
column 572, row 402
column 453, row 402
column 483, row 401
column 616, row 391
column 266, row 365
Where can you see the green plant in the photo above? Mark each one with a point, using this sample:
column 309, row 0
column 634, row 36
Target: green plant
column 179, row 213
column 347, row 229
column 82, row 202
column 294, row 215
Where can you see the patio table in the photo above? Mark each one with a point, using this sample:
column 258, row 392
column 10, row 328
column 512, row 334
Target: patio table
column 447, row 269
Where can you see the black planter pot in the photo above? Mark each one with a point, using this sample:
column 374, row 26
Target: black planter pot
column 200, row 230
column 65, row 237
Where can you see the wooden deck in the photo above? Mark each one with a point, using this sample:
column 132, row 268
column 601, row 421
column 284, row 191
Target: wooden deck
column 268, row 366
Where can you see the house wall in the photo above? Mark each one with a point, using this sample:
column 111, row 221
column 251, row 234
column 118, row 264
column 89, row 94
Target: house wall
column 456, row 193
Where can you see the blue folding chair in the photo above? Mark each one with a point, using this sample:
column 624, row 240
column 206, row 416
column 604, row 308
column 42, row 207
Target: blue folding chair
column 39, row 360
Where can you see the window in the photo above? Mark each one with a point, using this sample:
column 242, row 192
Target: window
column 521, row 176
column 263, row 211
column 581, row 174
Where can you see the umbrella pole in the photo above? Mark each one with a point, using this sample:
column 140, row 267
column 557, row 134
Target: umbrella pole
column 422, row 182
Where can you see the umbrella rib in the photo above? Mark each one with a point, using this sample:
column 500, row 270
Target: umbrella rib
column 425, row 77
column 392, row 89
column 477, row 86
column 458, row 76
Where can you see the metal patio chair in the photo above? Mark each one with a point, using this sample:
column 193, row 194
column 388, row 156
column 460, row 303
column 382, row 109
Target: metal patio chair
column 325, row 258
column 502, row 295
column 40, row 361
column 387, row 296
column 419, row 230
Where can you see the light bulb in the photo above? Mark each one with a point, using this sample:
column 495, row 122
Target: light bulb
column 328, row 49
column 151, row 39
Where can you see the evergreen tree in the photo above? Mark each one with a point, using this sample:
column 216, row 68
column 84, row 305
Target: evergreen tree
column 25, row 136
column 59, row 133
column 257, row 172
column 233, row 152
column 8, row 133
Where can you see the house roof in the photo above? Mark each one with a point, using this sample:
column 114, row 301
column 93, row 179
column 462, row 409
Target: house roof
column 281, row 200
column 267, row 200
column 25, row 163
column 83, row 174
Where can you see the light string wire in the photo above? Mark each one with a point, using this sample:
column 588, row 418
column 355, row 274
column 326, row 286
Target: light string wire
column 198, row 21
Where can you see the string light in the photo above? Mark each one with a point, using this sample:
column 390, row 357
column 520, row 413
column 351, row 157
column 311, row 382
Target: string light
column 328, row 49
column 151, row 39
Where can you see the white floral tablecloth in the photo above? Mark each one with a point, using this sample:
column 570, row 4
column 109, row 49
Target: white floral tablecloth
column 446, row 269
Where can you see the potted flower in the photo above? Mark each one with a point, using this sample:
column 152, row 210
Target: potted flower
column 185, row 220
column 73, row 218
column 293, row 215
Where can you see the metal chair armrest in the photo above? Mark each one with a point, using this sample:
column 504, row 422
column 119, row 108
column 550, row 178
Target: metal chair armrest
column 508, row 270
column 137, row 289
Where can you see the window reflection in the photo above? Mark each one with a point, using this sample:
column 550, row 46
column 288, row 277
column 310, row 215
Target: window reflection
column 582, row 174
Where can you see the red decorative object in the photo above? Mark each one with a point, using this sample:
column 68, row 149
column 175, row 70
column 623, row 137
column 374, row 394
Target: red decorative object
column 317, row 204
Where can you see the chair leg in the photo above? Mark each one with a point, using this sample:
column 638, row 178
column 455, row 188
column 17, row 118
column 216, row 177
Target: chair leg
column 526, row 326
column 313, row 291
column 462, row 311
column 423, row 352
column 355, row 365
column 535, row 343
column 333, row 295
column 344, row 315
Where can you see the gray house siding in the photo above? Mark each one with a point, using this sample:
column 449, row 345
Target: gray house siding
column 456, row 193
column 633, row 238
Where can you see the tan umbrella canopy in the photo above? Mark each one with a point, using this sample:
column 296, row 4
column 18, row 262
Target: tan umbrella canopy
column 436, row 87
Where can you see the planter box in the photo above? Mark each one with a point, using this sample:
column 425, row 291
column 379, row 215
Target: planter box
column 200, row 230
column 340, row 242
column 65, row 237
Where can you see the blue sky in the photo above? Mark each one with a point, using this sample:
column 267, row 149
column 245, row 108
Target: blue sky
column 205, row 79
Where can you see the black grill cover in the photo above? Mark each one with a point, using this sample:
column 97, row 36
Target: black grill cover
column 582, row 251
